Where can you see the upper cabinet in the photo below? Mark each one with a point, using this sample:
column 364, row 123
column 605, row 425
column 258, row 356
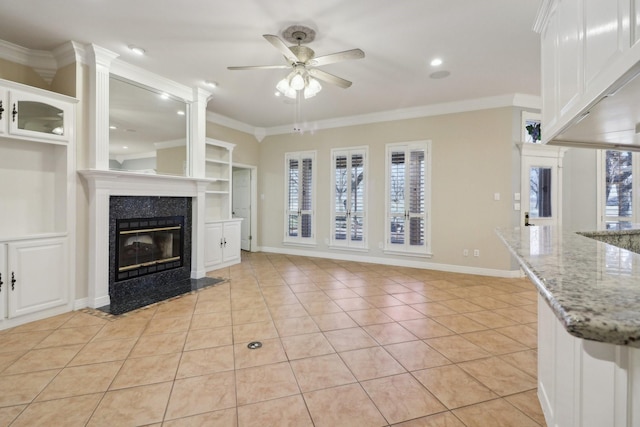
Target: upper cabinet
column 589, row 51
column 33, row 116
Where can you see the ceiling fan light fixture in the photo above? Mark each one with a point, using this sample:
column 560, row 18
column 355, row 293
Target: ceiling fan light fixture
column 297, row 81
column 312, row 88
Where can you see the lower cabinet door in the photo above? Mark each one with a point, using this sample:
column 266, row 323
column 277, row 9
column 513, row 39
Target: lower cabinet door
column 37, row 275
column 213, row 244
column 4, row 283
column 231, row 241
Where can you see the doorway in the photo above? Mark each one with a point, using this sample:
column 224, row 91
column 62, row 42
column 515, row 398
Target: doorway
column 541, row 184
column 244, row 204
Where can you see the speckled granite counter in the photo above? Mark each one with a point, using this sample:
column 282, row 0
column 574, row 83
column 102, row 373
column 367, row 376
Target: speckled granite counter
column 592, row 287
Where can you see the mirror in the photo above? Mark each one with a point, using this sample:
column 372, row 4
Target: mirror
column 147, row 130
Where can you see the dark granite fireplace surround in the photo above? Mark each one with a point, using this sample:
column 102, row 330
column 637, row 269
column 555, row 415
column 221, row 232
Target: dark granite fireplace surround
column 130, row 294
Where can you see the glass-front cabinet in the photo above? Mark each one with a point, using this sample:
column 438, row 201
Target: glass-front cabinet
column 34, row 116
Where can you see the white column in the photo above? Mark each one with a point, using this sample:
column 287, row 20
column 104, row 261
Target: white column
column 99, row 65
column 198, row 127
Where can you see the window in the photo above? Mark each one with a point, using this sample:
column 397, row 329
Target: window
column 408, row 228
column 619, row 206
column 348, row 214
column 300, row 198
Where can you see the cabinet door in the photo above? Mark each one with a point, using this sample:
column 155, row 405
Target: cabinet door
column 4, row 283
column 213, row 244
column 4, row 111
column 231, row 236
column 38, row 275
column 36, row 116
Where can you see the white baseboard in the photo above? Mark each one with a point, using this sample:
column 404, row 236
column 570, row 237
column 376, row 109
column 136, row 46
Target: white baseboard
column 81, row 303
column 412, row 263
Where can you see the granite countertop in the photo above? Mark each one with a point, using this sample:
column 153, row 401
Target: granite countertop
column 592, row 287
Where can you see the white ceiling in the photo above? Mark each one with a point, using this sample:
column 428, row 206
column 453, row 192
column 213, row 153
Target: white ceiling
column 488, row 47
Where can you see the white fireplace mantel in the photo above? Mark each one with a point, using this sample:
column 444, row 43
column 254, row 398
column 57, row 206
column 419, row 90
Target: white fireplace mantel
column 106, row 183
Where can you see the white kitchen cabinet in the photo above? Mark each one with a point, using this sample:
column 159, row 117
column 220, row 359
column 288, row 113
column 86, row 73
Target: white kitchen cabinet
column 222, row 244
column 585, row 383
column 586, row 46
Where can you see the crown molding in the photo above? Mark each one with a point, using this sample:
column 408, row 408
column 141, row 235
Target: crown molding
column 543, row 15
column 147, row 78
column 230, row 123
column 509, row 100
column 70, row 53
column 43, row 62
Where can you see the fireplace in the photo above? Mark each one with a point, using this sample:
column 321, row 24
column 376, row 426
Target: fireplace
column 148, row 245
column 149, row 250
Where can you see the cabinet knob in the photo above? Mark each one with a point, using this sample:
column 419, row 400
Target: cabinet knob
column 1, row 283
column 13, row 281
column 1, row 111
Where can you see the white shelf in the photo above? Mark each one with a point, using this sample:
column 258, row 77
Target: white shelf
column 218, row 168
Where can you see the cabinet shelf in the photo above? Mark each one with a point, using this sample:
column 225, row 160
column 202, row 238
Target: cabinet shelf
column 218, row 168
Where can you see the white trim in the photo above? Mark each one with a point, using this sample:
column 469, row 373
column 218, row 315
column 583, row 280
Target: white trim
column 254, row 201
column 300, row 156
column 451, row 268
column 348, row 152
column 147, row 78
column 509, row 100
column 80, row 303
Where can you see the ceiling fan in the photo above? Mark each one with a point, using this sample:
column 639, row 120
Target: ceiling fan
column 303, row 79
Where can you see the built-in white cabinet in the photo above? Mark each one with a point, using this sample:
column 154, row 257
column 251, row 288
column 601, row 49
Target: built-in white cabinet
column 218, row 168
column 37, row 203
column 222, row 233
column 589, row 49
column 222, row 243
column 28, row 115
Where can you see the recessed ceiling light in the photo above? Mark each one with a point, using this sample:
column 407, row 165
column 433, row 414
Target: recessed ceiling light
column 137, row 50
column 125, row 147
column 164, row 95
column 436, row 62
column 210, row 83
column 112, row 127
column 181, row 113
column 440, row 74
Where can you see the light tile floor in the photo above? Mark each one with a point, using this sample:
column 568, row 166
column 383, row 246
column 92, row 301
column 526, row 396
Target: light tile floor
column 344, row 344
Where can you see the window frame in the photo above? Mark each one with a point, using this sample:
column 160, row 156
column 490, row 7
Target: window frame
column 348, row 243
column 603, row 218
column 299, row 240
column 406, row 248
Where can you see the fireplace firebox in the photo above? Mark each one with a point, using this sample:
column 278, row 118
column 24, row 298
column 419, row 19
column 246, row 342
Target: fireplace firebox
column 148, row 245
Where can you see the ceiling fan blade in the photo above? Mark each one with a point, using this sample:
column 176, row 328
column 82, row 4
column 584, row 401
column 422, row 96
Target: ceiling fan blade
column 337, row 57
column 260, row 67
column 283, row 48
column 329, row 78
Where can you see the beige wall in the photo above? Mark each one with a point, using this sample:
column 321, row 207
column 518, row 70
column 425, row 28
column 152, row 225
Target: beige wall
column 65, row 80
column 246, row 151
column 471, row 160
column 171, row 161
column 21, row 74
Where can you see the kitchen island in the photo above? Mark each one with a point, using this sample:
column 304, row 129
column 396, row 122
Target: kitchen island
column 588, row 324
